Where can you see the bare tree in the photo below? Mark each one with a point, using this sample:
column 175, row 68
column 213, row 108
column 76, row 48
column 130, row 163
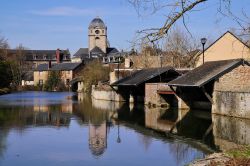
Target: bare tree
column 177, row 10
column 3, row 47
column 181, row 49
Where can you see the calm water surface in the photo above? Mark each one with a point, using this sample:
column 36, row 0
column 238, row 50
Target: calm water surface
column 40, row 128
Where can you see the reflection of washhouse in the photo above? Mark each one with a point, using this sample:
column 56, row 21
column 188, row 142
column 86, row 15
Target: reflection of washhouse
column 189, row 123
column 230, row 132
column 98, row 138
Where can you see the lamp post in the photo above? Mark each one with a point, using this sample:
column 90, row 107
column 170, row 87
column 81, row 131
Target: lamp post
column 118, row 138
column 161, row 60
column 119, row 65
column 203, row 42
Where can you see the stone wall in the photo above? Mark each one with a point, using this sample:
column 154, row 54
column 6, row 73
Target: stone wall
column 231, row 94
column 109, row 95
column 238, row 80
column 151, row 95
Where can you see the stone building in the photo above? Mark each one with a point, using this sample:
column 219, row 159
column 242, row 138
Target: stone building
column 226, row 47
column 220, row 86
column 68, row 71
column 33, row 58
column 98, row 45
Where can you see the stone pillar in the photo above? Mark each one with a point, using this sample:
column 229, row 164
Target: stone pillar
column 182, row 104
column 127, row 63
column 131, row 98
column 112, row 77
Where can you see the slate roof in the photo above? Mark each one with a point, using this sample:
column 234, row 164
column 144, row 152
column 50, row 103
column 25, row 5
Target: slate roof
column 82, row 53
column 96, row 50
column 97, row 23
column 206, row 73
column 41, row 55
column 141, row 76
column 58, row 67
column 29, row 76
column 112, row 50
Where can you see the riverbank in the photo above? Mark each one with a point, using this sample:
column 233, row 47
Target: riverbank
column 239, row 156
column 4, row 91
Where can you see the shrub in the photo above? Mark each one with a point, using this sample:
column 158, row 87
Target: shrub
column 93, row 73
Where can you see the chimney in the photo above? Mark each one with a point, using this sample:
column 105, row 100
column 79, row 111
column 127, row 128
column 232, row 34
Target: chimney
column 58, row 58
column 49, row 66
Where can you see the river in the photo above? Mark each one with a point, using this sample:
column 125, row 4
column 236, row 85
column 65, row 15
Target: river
column 62, row 128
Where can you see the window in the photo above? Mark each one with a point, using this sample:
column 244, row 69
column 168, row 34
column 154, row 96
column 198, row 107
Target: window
column 102, row 31
column 97, row 38
column 67, row 81
column 40, row 82
column 97, row 32
column 35, row 57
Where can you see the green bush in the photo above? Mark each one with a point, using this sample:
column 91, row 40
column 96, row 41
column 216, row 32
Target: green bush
column 5, row 74
column 54, row 81
column 93, row 73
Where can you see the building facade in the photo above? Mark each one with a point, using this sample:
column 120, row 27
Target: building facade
column 67, row 71
column 226, row 47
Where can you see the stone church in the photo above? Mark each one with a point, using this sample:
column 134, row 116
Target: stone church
column 98, row 45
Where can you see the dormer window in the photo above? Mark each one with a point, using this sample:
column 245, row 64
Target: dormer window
column 35, row 57
column 66, row 57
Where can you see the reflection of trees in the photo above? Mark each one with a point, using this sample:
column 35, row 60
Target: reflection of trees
column 88, row 113
column 181, row 152
column 3, row 146
column 146, row 140
column 20, row 117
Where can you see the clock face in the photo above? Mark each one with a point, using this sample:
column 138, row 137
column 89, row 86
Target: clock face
column 97, row 31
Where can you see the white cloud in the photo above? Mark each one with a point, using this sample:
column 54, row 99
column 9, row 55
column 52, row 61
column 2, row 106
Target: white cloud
column 74, row 11
column 63, row 11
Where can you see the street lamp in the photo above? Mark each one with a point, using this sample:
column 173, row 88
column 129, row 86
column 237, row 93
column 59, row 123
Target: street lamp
column 161, row 60
column 203, row 42
column 118, row 138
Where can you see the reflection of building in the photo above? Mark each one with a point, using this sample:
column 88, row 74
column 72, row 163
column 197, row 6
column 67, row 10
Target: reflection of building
column 98, row 138
column 55, row 115
column 230, row 132
column 154, row 118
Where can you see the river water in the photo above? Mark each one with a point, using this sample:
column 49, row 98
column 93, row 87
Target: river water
column 42, row 128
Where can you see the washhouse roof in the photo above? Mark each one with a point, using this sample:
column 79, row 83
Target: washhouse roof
column 206, row 73
column 141, row 76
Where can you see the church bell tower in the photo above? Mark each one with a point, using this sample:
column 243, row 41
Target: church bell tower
column 97, row 35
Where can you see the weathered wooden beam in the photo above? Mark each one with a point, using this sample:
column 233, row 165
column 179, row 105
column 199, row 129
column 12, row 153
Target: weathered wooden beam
column 210, row 128
column 207, row 95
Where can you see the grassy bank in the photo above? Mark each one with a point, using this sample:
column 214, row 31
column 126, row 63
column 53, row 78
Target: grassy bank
column 233, row 157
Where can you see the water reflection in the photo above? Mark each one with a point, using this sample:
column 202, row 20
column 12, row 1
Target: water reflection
column 89, row 131
column 230, row 132
column 192, row 124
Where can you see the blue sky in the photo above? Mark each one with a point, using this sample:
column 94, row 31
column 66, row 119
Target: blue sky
column 51, row 24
